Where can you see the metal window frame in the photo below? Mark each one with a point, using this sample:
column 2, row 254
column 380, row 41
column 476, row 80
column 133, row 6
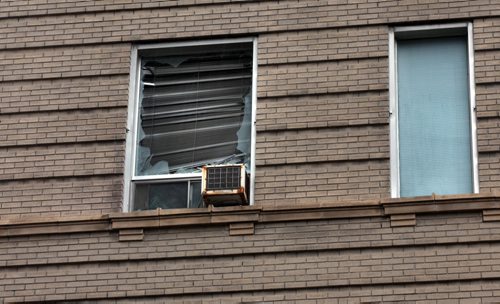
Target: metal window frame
column 132, row 119
column 422, row 31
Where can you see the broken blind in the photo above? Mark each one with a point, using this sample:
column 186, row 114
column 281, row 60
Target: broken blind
column 195, row 108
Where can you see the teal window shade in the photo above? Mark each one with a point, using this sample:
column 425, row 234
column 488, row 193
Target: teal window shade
column 433, row 116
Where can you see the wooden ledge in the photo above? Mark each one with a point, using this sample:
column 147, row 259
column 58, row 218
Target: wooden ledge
column 241, row 219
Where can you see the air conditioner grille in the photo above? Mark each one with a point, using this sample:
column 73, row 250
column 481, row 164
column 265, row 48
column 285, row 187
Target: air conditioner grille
column 220, row 178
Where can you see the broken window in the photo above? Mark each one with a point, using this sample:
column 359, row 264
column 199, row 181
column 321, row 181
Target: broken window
column 194, row 108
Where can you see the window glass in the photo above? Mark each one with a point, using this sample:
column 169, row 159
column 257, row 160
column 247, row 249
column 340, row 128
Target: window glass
column 194, row 108
column 434, row 119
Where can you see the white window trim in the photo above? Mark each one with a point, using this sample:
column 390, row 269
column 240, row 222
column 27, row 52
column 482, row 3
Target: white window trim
column 132, row 119
column 393, row 102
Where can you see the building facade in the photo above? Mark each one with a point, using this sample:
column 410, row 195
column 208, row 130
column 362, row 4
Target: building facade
column 369, row 131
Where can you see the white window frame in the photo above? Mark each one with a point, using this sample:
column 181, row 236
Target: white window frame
column 427, row 31
column 132, row 119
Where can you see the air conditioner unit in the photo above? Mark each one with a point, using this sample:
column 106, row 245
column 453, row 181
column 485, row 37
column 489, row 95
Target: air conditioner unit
column 224, row 185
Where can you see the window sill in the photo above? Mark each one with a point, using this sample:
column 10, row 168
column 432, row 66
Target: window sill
column 401, row 211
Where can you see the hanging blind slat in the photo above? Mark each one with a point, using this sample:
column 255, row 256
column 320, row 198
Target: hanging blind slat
column 194, row 108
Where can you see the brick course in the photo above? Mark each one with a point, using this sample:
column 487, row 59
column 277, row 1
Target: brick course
column 61, row 160
column 313, row 53
column 64, row 62
column 260, row 273
column 60, row 197
column 323, row 45
column 237, row 18
column 64, row 94
column 322, row 137
column 323, row 77
column 488, row 100
column 489, row 166
column 63, row 127
column 334, row 255
column 487, row 66
column 488, row 135
column 337, row 181
column 37, row 7
column 320, row 145
column 486, row 33
column 320, row 111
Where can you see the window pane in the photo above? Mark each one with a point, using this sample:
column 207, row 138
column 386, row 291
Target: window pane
column 196, row 200
column 195, row 108
column 161, row 195
column 433, row 113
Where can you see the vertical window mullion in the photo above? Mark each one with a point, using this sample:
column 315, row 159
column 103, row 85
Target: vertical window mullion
column 472, row 99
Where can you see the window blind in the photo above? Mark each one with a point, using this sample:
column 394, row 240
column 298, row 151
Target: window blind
column 195, row 108
column 433, row 112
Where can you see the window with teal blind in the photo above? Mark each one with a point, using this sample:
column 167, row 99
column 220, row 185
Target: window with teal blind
column 433, row 116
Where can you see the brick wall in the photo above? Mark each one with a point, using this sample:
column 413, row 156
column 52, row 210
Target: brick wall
column 322, row 78
column 64, row 94
column 57, row 197
column 443, row 259
column 318, row 182
column 322, row 137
